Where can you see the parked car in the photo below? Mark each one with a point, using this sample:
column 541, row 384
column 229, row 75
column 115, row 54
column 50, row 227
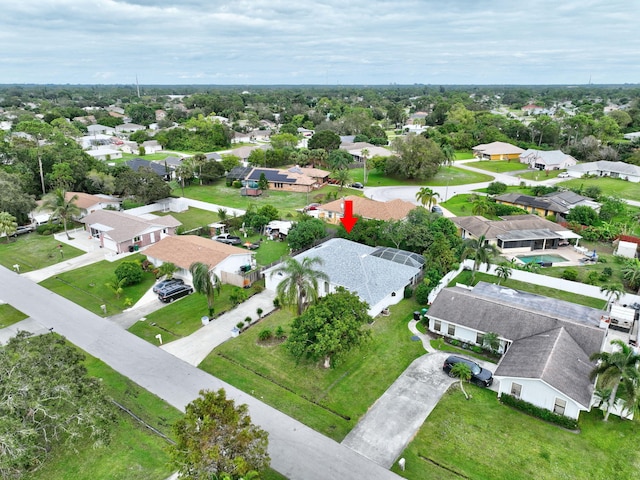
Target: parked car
column 164, row 284
column 173, row 293
column 21, row 230
column 436, row 209
column 357, row 185
column 228, row 239
column 311, row 206
column 480, row 376
column 563, row 175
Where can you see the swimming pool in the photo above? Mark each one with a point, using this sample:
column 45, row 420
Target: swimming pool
column 550, row 258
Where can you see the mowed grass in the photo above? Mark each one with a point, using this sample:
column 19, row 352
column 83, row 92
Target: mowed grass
column 33, row 252
column 451, row 175
column 608, row 186
column 481, row 439
column 539, row 176
column 134, row 452
column 330, row 401
column 498, row 166
column 465, row 277
column 192, row 217
column 10, row 315
column 85, row 286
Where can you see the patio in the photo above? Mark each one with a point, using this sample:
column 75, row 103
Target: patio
column 575, row 256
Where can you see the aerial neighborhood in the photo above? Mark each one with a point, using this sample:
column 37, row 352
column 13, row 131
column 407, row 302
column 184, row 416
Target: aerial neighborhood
column 402, row 281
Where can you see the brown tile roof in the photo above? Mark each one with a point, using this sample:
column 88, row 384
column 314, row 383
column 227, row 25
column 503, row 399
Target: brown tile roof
column 84, row 200
column 372, row 209
column 183, row 250
column 498, row 148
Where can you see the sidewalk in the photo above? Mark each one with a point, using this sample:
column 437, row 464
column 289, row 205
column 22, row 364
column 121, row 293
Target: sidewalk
column 195, row 348
column 71, row 264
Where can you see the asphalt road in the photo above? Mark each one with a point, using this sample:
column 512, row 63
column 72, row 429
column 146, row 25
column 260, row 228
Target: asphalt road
column 297, row 451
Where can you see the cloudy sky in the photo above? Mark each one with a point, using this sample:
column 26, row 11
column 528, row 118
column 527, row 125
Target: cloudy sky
column 373, row 42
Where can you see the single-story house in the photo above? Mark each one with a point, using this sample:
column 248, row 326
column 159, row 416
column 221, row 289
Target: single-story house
column 547, row 160
column 97, row 128
column 213, row 156
column 516, row 233
column 632, row 136
column 229, row 263
column 497, row 151
column 294, row 179
column 94, row 140
column 366, row 208
column 160, row 169
column 129, row 128
column 86, row 202
column 549, row 204
column 546, row 342
column 243, row 152
column 604, row 168
column 151, row 147
column 356, row 149
column 120, row 232
column 278, row 229
column 104, row 154
column 378, row 275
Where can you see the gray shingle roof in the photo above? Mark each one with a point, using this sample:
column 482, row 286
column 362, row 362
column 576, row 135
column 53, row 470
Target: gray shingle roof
column 606, row 166
column 122, row 226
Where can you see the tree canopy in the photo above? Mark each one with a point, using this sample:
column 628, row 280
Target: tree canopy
column 418, row 158
column 325, row 139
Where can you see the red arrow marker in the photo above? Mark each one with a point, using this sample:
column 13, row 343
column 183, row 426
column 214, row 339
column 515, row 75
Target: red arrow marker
column 348, row 220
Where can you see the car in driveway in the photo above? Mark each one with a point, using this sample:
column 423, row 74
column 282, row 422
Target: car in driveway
column 437, row 210
column 228, row 239
column 480, row 376
column 563, row 175
column 21, row 230
column 173, row 293
column 357, row 185
column 164, row 284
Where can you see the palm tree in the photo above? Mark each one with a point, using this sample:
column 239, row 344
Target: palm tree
column 116, row 286
column 184, row 172
column 199, row 159
column 481, row 251
column 300, row 285
column 483, row 207
column 613, row 290
column 8, row 224
column 615, row 368
column 631, row 274
column 503, row 271
column 60, row 207
column 342, row 176
column 167, row 269
column 426, row 197
column 364, row 154
column 491, row 341
column 205, row 282
column 449, row 154
column 463, row 373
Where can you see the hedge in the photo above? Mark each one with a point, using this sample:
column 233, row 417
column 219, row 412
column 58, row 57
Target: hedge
column 541, row 413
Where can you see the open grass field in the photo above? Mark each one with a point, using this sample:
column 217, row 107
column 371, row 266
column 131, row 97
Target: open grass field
column 451, row 175
column 464, row 155
column 33, row 252
column 482, row 439
column 192, row 217
column 539, row 176
column 498, row 166
column 85, row 286
column 608, row 186
column 465, row 277
column 460, row 205
column 9, row 315
column 329, row 401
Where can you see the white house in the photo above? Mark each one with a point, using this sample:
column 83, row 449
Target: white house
column 102, row 129
column 104, row 154
column 378, row 275
column 546, row 342
column 129, row 128
column 604, row 168
column 547, row 160
column 151, row 147
column 231, row 264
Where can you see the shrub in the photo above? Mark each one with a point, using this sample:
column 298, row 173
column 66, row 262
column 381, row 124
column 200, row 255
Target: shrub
column 265, row 335
column 259, row 312
column 593, row 278
column 276, row 302
column 237, row 296
column 496, row 188
column 408, row 292
column 454, row 342
column 280, row 332
column 236, row 184
column 538, row 412
column 132, row 271
column 607, row 271
column 240, row 325
column 128, row 203
column 49, row 228
column 258, row 287
column 570, row 274
column 477, row 349
column 422, row 293
column 247, row 320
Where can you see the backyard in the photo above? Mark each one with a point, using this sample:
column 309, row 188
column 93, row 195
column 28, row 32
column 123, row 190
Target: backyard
column 34, row 251
column 85, row 286
column 608, row 186
column 482, row 439
column 329, row 401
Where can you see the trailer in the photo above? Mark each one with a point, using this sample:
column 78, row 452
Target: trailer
column 622, row 318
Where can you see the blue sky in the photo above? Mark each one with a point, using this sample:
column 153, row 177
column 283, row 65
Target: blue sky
column 373, row 42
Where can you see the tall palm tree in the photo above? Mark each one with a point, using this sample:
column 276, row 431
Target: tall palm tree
column 503, row 271
column 8, row 224
column 481, row 251
column 449, row 154
column 483, row 207
column 426, row 197
column 199, row 159
column 616, row 368
column 364, row 154
column 612, row 290
column 463, row 373
column 342, row 176
column 184, row 172
column 60, row 207
column 167, row 269
column 491, row 340
column 300, row 285
column 205, row 282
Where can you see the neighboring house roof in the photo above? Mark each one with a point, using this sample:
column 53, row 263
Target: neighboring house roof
column 98, row 152
column 244, row 152
column 183, row 250
column 371, row 209
column 121, row 226
column 169, row 161
column 151, row 143
column 620, row 168
column 353, row 266
column 213, row 156
column 137, row 163
column 239, row 173
column 86, row 200
column 560, row 202
column 492, row 229
column 498, row 148
column 356, row 149
column 549, row 158
column 291, row 176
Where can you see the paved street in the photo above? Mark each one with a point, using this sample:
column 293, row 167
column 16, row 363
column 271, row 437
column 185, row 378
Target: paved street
column 296, row 451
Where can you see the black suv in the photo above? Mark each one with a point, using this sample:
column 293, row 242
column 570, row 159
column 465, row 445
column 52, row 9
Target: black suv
column 165, row 284
column 479, row 376
column 173, row 293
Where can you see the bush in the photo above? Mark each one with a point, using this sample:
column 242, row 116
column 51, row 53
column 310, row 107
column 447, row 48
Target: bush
column 247, row 320
column 570, row 274
column 477, row 349
column 237, row 295
column 128, row 203
column 607, row 271
column 258, row 287
column 240, row 325
column 593, row 278
column 280, row 332
column 265, row 335
column 496, row 188
column 408, row 292
column 541, row 413
column 49, row 228
column 236, row 184
column 276, row 302
column 422, row 293
column 132, row 271
column 454, row 342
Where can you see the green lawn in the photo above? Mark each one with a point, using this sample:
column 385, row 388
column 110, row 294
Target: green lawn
column 608, row 186
column 460, row 205
column 9, row 315
column 33, row 252
column 498, row 166
column 182, row 317
column 446, row 175
column 329, row 401
column 539, row 176
column 464, row 155
column 86, row 286
column 465, row 277
column 192, row 217
column 482, row 439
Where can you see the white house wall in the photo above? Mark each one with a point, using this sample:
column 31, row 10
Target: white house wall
column 463, row 334
column 232, row 264
column 539, row 393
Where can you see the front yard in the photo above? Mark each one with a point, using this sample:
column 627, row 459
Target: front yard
column 9, row 315
column 446, row 175
column 329, row 401
column 33, row 252
column 608, row 186
column 498, row 166
column 483, row 439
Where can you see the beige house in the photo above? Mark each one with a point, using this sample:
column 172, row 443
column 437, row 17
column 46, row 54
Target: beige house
column 366, row 208
column 497, row 151
column 294, row 179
